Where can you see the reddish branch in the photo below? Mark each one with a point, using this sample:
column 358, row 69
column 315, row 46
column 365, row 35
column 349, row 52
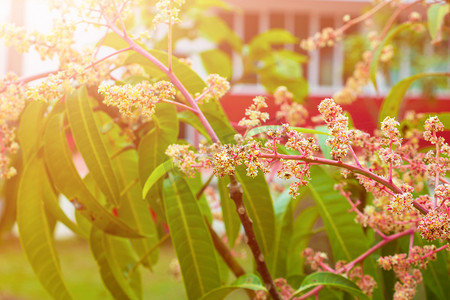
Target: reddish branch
column 236, row 195
column 353, row 168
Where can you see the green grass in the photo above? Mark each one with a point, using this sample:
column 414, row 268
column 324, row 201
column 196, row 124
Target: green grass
column 17, row 280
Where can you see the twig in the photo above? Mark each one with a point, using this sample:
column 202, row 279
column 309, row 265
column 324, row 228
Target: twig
column 236, row 195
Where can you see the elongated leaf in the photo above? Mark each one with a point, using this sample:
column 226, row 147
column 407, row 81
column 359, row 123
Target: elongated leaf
column 113, row 256
column 346, row 237
column 157, row 174
column 216, row 61
column 191, row 239
column 376, row 55
column 67, row 180
column 52, row 205
column 9, row 201
column 190, row 118
column 436, row 14
column 266, row 128
column 332, row 280
column 302, row 231
column 196, row 184
column 133, row 209
column 247, row 281
column 188, row 77
column 34, row 231
column 152, row 149
column 230, row 217
column 86, row 134
column 391, row 105
column 30, row 128
column 277, row 260
column 258, row 202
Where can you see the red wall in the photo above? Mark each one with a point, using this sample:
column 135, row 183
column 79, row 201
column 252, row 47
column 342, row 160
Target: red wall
column 364, row 111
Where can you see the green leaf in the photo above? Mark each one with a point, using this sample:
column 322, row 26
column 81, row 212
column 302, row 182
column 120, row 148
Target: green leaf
column 85, row 131
column 114, row 258
column 216, row 61
column 188, row 77
column 157, row 174
column 376, row 55
column 196, row 184
column 30, row 128
column 346, row 237
column 216, row 30
column 391, row 105
column 262, row 129
column 67, row 180
column 332, row 280
column 322, row 139
column 133, row 209
column 229, row 214
column 436, row 14
column 190, row 118
column 152, row 149
column 277, row 259
column 35, row 233
column 247, row 281
column 52, row 205
column 191, row 239
column 302, row 231
column 259, row 204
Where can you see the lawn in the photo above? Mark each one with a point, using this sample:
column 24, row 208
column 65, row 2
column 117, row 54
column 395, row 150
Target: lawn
column 17, row 280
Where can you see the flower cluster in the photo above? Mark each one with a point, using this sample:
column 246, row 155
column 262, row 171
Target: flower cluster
column 365, row 282
column 167, row 11
column 217, row 87
column 435, row 225
column 327, row 37
column 337, row 123
column 12, row 102
column 292, row 112
column 138, row 100
column 60, row 42
column 255, row 116
column 406, row 268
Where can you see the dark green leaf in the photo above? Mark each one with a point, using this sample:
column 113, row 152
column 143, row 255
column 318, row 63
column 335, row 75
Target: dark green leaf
column 114, row 258
column 277, row 259
column 157, row 174
column 332, row 280
column 87, row 137
column 230, row 216
column 247, row 281
column 190, row 118
column 191, row 238
column 67, row 180
column 346, row 237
